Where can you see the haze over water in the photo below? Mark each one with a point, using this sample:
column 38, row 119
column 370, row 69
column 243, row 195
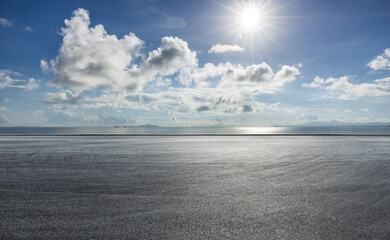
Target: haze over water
column 322, row 130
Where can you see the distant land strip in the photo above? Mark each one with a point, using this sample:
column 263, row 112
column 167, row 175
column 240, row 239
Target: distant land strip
column 194, row 135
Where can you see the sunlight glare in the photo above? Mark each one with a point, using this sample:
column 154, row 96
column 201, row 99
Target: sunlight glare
column 250, row 18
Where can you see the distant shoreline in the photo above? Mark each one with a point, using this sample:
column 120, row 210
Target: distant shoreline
column 176, row 132
column 195, row 135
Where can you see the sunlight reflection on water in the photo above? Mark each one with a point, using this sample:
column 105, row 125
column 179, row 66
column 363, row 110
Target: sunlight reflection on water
column 376, row 130
column 261, row 130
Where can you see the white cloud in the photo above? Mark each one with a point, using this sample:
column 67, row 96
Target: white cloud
column 223, row 48
column 5, row 22
column 113, row 67
column 183, row 101
column 28, row 29
column 218, row 98
column 383, row 80
column 6, row 100
column 167, row 79
column 91, row 58
column 255, row 73
column 387, row 52
column 64, row 96
column 4, row 119
column 286, row 74
column 259, row 76
column 7, row 79
column 119, row 101
column 31, row 85
column 108, row 118
column 341, row 88
column 366, row 110
column 309, row 117
column 3, row 108
column 274, row 106
column 381, row 62
column 38, row 112
column 44, row 66
column 68, row 112
column 172, row 56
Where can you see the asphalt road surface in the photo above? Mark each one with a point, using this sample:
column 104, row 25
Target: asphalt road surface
column 195, row 187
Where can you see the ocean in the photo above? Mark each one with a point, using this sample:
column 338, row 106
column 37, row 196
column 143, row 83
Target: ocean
column 57, row 185
column 321, row 130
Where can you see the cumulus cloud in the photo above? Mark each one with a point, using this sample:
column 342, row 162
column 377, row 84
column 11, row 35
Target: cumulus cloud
column 90, row 58
column 31, row 85
column 274, row 106
column 343, row 89
column 44, row 66
column 286, row 74
column 5, row 22
column 220, row 98
column 381, row 62
column 223, row 48
column 173, row 100
column 254, row 73
column 8, row 80
column 317, row 82
column 225, row 100
column 138, row 101
column 172, row 56
column 261, row 75
column 141, row 98
column 62, row 97
column 166, row 79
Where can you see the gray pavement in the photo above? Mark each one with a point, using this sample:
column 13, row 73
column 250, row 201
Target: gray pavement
column 195, row 187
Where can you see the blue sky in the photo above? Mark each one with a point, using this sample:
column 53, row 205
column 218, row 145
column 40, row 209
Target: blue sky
column 193, row 63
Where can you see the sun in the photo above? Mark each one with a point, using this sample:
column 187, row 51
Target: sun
column 250, row 19
column 251, row 23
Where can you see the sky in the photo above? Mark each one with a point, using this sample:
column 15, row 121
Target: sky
column 194, row 63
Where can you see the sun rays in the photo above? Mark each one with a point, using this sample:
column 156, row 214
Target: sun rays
column 251, row 23
column 250, row 19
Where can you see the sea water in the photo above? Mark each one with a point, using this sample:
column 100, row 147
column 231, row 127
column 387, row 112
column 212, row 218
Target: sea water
column 347, row 130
